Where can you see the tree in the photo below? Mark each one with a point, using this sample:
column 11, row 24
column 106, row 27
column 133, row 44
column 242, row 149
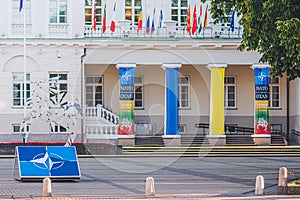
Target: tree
column 271, row 27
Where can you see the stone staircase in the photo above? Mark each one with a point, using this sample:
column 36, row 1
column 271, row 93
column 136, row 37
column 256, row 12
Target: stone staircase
column 101, row 124
column 278, row 140
column 148, row 141
column 239, row 140
column 194, row 140
column 213, row 151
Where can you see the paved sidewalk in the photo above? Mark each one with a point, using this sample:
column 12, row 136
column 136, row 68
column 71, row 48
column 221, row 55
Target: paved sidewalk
column 175, row 178
column 162, row 197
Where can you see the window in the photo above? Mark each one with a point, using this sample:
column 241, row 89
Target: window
column 94, row 91
column 17, row 17
column 58, row 129
column 184, row 92
column 58, row 11
column 59, row 89
column 179, row 10
column 274, row 101
column 89, row 12
column 230, row 92
column 132, row 10
column 138, row 92
column 17, row 128
column 19, row 89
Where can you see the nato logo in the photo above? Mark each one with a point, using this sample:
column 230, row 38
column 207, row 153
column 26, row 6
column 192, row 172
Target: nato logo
column 46, row 161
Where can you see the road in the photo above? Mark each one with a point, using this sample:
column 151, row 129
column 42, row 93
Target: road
column 125, row 176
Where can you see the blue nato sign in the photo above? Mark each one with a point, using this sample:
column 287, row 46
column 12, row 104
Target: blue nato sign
column 37, row 162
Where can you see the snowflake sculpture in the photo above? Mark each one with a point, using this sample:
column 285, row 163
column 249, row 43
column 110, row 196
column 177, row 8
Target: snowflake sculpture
column 47, row 102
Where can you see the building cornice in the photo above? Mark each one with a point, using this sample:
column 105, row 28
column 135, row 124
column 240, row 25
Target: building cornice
column 191, row 44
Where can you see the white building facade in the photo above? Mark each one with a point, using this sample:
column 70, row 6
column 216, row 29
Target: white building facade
column 67, row 39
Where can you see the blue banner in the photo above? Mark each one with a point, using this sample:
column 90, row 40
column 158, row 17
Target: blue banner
column 171, row 101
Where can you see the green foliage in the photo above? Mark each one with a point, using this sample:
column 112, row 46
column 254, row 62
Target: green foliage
column 271, row 27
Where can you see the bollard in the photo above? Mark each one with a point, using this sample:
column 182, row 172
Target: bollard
column 149, row 187
column 47, row 192
column 282, row 181
column 259, row 185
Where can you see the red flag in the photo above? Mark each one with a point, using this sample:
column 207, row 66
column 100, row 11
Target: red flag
column 195, row 24
column 113, row 21
column 94, row 17
column 104, row 20
column 188, row 21
column 140, row 22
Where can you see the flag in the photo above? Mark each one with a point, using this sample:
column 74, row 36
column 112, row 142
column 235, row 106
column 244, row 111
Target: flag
column 21, row 5
column 140, row 22
column 232, row 21
column 113, row 21
column 160, row 18
column 104, row 20
column 195, row 24
column 205, row 23
column 153, row 22
column 94, row 17
column 148, row 31
column 200, row 19
column 188, row 21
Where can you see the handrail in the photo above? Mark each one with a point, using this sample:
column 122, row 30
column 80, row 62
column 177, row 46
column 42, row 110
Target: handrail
column 237, row 129
column 296, row 132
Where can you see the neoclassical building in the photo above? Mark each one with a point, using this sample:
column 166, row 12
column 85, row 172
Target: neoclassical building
column 159, row 79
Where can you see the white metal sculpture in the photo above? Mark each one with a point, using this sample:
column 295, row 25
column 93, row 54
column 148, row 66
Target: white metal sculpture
column 49, row 103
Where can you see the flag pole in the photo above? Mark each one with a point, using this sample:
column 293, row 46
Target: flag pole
column 23, row 8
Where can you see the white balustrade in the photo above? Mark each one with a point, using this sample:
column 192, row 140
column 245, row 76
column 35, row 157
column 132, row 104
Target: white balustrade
column 58, row 30
column 108, row 128
column 17, row 30
column 169, row 31
column 101, row 131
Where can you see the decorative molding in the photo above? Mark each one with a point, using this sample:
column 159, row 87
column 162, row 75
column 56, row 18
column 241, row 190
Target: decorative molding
column 125, row 65
column 217, row 65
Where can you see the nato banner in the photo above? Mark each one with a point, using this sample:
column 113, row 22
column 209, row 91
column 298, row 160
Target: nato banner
column 37, row 162
column 126, row 102
column 262, row 89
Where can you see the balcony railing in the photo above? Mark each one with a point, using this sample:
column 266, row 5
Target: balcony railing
column 213, row 31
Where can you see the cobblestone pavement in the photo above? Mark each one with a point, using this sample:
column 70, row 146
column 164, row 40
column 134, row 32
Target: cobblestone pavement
column 175, row 178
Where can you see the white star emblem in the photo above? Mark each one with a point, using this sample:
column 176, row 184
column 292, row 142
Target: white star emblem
column 126, row 76
column 44, row 161
column 261, row 76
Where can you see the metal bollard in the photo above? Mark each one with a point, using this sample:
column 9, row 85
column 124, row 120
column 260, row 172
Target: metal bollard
column 259, row 185
column 47, row 191
column 282, row 181
column 149, row 187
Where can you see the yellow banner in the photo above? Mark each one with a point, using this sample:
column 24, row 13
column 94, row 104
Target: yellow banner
column 217, row 119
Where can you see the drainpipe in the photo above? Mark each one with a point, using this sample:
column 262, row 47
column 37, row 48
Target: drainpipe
column 82, row 95
column 288, row 110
